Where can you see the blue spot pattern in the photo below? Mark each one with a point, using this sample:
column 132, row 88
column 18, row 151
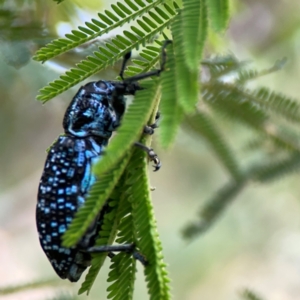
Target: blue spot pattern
column 93, row 114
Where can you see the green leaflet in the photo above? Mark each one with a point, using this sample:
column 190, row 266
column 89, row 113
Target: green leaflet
column 123, row 265
column 134, row 120
column 111, row 223
column 203, row 124
column 151, row 55
column 186, row 84
column 132, row 215
column 194, row 28
column 240, row 105
column 228, row 99
column 213, row 208
column 106, row 56
column 280, row 104
column 222, row 65
column 122, row 275
column 218, row 12
column 145, row 227
column 246, row 75
column 169, row 106
column 120, row 13
column 276, row 169
column 263, row 172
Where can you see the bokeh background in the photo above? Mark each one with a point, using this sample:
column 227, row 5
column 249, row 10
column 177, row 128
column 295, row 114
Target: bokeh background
column 256, row 242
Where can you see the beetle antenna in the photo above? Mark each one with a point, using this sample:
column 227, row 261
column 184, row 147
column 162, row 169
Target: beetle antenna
column 125, row 60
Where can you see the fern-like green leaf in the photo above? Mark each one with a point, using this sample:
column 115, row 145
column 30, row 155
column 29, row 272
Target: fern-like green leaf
column 111, row 220
column 274, row 170
column 122, row 275
column 194, row 28
column 246, row 75
column 147, row 237
column 123, row 267
column 187, row 84
column 218, row 12
column 263, row 172
column 119, row 14
column 230, row 100
column 282, row 138
column 151, row 55
column 222, row 65
column 203, row 125
column 169, row 107
column 132, row 125
column 213, row 208
column 115, row 49
column 242, row 106
column 131, row 192
column 278, row 103
column 97, row 197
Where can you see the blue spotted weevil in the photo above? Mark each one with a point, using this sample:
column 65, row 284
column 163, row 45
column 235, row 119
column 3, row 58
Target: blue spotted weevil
column 93, row 114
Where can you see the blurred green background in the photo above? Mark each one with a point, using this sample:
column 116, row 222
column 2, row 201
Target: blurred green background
column 255, row 244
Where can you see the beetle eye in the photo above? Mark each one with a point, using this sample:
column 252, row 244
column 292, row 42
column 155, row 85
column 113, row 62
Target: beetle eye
column 101, row 85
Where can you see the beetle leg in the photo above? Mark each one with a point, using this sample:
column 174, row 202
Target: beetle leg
column 151, row 154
